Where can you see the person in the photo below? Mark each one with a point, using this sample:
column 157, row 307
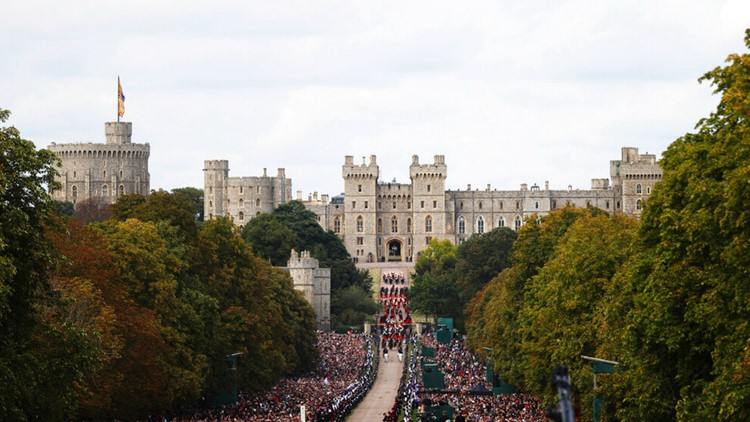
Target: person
column 400, row 354
column 385, row 355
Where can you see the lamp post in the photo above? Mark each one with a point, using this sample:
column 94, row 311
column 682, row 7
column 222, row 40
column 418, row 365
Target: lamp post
column 232, row 359
column 600, row 366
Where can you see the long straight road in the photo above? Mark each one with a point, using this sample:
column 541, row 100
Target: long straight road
column 382, row 395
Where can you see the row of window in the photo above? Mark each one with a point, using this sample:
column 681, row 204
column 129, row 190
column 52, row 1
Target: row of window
column 360, row 224
column 394, row 205
column 105, row 191
column 480, row 224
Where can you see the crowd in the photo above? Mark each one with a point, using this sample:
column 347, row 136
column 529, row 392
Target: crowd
column 346, row 371
column 462, row 373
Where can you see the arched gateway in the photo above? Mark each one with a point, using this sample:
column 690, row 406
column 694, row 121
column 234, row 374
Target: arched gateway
column 395, row 249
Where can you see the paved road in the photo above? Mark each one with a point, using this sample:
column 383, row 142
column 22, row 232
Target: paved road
column 382, row 395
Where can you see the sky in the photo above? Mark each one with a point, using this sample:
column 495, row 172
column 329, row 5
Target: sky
column 510, row 92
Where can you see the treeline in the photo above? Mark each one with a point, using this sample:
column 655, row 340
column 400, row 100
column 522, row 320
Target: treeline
column 134, row 315
column 668, row 298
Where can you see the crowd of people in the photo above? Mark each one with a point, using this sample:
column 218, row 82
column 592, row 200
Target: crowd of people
column 346, row 371
column 463, row 372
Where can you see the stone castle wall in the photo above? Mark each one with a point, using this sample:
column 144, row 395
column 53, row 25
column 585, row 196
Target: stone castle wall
column 102, row 172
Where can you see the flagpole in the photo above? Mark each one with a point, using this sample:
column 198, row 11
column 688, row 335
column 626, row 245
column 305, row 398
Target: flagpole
column 118, row 98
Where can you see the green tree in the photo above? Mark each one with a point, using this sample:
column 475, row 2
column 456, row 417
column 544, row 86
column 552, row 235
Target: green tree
column 481, row 258
column 196, row 198
column 687, row 327
column 434, row 291
column 270, row 239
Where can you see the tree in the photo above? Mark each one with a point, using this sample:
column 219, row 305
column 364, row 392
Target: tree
column 31, row 344
column 687, row 326
column 481, row 258
column 196, row 198
column 434, row 291
column 270, row 239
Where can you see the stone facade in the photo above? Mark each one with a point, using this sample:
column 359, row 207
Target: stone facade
column 314, row 283
column 102, row 172
column 379, row 221
column 242, row 198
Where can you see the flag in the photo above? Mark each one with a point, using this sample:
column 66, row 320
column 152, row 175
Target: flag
column 120, row 100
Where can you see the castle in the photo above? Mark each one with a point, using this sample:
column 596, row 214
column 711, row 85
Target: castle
column 102, row 173
column 384, row 222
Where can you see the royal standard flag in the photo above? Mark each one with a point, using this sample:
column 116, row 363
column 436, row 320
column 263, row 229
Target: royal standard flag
column 120, row 100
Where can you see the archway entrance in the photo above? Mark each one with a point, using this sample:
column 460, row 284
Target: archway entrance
column 394, row 250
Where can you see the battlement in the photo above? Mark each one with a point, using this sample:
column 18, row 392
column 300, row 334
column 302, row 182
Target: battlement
column 302, row 260
column 436, row 170
column 364, row 171
column 216, row 165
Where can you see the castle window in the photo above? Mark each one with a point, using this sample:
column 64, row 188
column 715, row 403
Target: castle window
column 240, row 189
column 648, row 190
column 408, row 225
column 501, row 204
column 337, row 225
column 501, row 222
column 638, row 188
column 429, row 188
column 427, row 240
column 105, row 191
column 257, row 190
column 408, row 205
column 618, row 205
column 461, row 225
column 366, row 204
column 120, row 174
column 536, row 204
column 210, row 189
column 105, row 173
column 428, row 224
column 74, row 175
column 122, row 190
column 480, row 205
column 242, row 216
column 354, row 204
column 257, row 202
column 588, row 204
column 360, row 241
column 210, row 204
column 359, row 188
column 75, row 192
column 380, row 225
column 461, row 205
column 434, row 204
column 518, row 222
column 421, row 204
column 607, row 204
column 394, row 224
column 394, row 205
column 379, row 205
column 360, row 224
column 638, row 204
column 518, row 204
column 480, row 225
column 242, row 203
column 554, row 204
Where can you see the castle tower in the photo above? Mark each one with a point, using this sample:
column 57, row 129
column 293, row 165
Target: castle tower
column 633, row 179
column 428, row 187
column 215, row 176
column 360, row 208
column 314, row 283
column 102, row 173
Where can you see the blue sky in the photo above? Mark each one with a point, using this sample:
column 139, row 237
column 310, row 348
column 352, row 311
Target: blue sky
column 510, row 92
